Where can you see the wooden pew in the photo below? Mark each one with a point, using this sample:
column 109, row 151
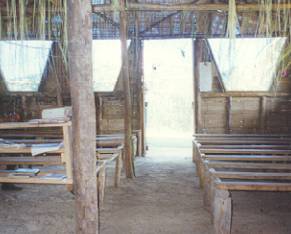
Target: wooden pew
column 226, row 168
column 224, row 182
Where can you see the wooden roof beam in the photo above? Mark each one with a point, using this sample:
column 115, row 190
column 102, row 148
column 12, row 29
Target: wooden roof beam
column 187, row 7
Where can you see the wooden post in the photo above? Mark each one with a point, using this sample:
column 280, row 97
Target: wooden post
column 127, row 95
column 67, row 136
column 84, row 116
column 222, row 214
column 142, row 102
column 101, row 185
column 198, row 46
column 118, row 167
column 24, row 108
column 140, row 92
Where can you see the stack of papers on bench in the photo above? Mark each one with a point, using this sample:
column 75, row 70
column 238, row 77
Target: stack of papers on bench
column 23, row 172
column 54, row 176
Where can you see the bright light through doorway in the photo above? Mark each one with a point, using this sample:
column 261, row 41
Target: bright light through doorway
column 168, row 70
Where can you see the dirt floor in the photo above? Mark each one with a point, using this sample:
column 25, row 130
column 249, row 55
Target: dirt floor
column 164, row 198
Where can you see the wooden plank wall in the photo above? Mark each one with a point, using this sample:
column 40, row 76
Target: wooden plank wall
column 26, row 106
column 245, row 113
column 111, row 109
column 29, row 106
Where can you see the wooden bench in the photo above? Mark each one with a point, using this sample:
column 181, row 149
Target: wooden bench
column 226, row 168
column 223, row 182
column 118, row 139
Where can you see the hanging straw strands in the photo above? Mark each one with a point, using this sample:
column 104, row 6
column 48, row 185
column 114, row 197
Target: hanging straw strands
column 35, row 19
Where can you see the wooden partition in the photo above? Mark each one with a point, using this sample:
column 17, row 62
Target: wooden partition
column 244, row 112
column 111, row 112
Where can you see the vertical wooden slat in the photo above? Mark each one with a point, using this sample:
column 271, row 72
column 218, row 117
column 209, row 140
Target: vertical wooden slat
column 84, row 116
column 263, row 103
column 198, row 46
column 127, row 95
column 68, row 150
column 24, row 108
column 228, row 114
column 99, row 112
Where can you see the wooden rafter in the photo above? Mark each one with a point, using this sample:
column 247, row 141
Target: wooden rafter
column 158, row 22
column 222, row 86
column 106, row 18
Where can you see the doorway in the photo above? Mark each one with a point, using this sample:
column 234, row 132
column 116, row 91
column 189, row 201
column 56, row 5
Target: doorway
column 168, row 75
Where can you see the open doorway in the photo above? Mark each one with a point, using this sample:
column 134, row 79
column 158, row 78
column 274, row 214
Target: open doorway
column 168, row 72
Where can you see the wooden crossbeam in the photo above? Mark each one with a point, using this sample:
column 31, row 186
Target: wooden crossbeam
column 242, row 141
column 35, row 180
column 252, row 175
column 188, row 7
column 248, row 146
column 245, row 151
column 248, row 165
column 248, row 158
column 254, row 186
column 241, row 136
column 19, row 125
column 51, row 160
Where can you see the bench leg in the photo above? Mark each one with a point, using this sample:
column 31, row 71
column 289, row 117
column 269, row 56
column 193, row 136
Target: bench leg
column 199, row 165
column 207, row 188
column 101, row 184
column 70, row 188
column 193, row 152
column 201, row 172
column 222, row 212
column 118, row 167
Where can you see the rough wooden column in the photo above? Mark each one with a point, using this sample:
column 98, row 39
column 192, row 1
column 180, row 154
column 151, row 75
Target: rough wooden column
column 127, row 94
column 222, row 216
column 198, row 46
column 141, row 96
column 84, row 119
